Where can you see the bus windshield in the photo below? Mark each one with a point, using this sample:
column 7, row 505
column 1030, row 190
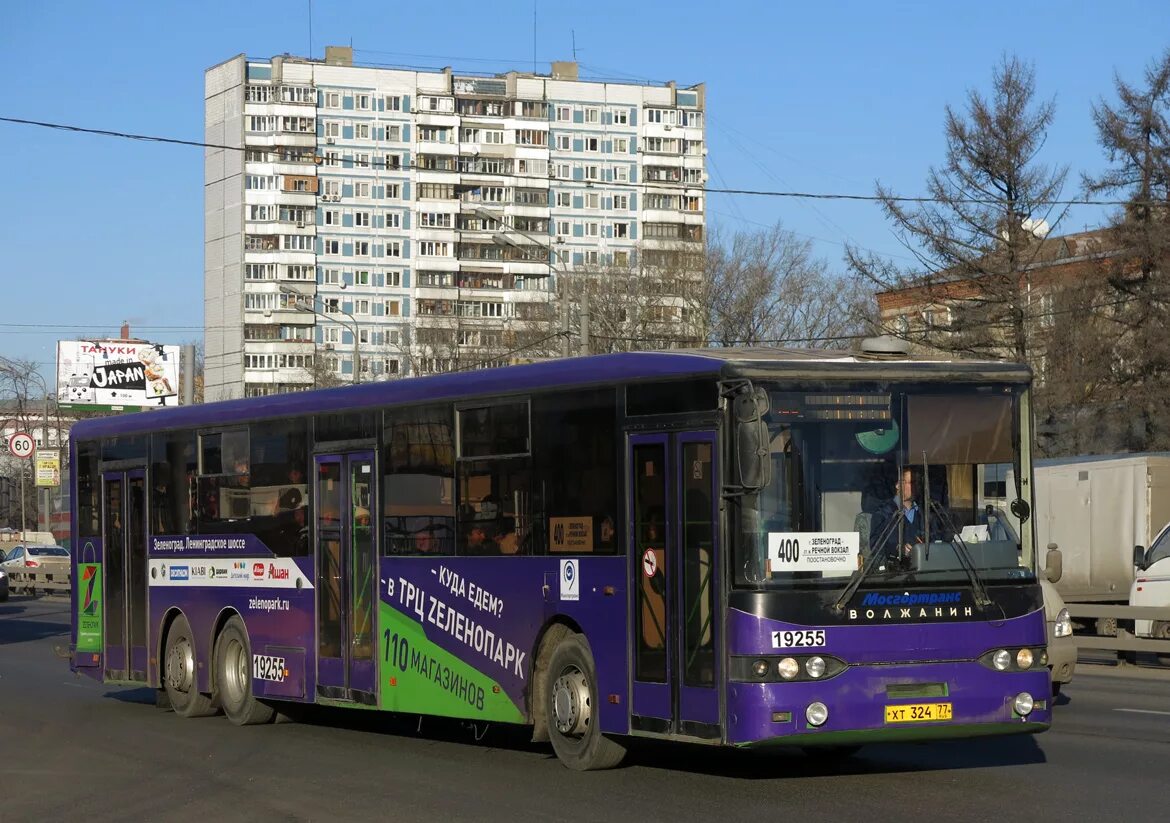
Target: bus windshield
column 914, row 474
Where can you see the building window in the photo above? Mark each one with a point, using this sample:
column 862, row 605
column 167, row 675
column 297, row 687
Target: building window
column 361, row 131
column 621, row 117
column 621, row 145
column 393, row 308
column 332, row 100
column 333, row 247
column 331, row 277
column 361, row 278
column 564, row 143
column 621, row 202
column 592, row 144
column 564, row 199
column 564, row 114
column 361, row 219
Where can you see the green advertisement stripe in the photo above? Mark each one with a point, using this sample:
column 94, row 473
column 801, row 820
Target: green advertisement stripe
column 419, row 676
column 89, row 607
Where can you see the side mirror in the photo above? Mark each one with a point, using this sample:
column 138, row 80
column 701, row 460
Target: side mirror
column 751, row 439
column 1053, row 564
column 1139, row 558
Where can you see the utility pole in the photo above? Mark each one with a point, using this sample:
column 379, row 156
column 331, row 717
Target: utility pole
column 585, row 319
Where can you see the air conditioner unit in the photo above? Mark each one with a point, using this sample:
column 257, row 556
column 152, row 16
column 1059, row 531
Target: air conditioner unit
column 668, row 127
column 300, row 224
column 329, row 141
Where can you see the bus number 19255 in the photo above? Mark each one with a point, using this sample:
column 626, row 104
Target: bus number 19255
column 800, row 638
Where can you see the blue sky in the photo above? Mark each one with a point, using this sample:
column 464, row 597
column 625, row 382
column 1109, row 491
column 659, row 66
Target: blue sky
column 818, row 97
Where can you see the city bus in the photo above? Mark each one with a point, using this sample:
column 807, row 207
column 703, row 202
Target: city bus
column 738, row 547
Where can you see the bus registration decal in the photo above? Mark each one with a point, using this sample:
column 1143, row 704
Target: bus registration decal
column 267, row 667
column 798, row 638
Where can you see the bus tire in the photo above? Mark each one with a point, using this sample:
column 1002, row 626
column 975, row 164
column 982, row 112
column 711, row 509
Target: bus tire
column 179, row 678
column 233, row 677
column 572, row 709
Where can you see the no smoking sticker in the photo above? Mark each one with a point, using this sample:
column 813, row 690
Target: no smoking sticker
column 649, row 563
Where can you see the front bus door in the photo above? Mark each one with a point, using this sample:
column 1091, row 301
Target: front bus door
column 674, row 499
column 347, row 575
column 124, row 572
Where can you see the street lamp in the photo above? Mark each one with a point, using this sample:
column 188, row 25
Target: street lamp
column 331, row 316
column 501, row 239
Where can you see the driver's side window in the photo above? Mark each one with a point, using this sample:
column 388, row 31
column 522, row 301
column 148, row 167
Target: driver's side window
column 1161, row 548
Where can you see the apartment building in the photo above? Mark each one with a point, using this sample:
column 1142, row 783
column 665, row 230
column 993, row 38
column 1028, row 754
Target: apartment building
column 366, row 223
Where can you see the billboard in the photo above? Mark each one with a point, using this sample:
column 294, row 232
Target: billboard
column 113, row 375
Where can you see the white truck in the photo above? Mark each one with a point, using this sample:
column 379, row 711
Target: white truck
column 1096, row 509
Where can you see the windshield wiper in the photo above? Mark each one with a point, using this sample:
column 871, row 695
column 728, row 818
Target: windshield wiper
column 878, row 554
column 978, row 589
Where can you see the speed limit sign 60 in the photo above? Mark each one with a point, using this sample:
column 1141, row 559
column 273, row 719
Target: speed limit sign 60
column 21, row 445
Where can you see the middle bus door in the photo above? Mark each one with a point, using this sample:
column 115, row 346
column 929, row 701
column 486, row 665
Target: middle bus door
column 674, row 503
column 347, row 575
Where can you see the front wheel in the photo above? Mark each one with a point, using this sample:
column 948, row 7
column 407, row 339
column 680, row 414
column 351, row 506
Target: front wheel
column 233, row 677
column 572, row 709
column 179, row 673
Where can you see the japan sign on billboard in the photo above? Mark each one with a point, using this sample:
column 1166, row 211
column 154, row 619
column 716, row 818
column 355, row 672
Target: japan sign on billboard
column 116, row 374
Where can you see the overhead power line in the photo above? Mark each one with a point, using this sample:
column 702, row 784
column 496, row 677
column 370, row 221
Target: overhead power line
column 654, row 185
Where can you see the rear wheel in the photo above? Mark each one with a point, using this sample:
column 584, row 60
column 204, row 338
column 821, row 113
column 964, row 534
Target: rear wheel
column 572, row 709
column 179, row 673
column 1162, row 632
column 233, row 677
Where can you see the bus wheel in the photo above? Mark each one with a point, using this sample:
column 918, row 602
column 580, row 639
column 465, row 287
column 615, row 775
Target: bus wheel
column 572, row 709
column 179, row 674
column 233, row 677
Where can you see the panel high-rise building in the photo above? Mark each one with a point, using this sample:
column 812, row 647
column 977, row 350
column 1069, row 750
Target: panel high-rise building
column 401, row 222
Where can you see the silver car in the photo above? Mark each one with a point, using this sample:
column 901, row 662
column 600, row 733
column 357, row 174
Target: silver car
column 51, row 560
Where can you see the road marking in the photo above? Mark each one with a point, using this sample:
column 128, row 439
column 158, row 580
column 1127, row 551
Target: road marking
column 1143, row 711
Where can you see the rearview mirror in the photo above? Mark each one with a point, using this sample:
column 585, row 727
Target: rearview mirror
column 1053, row 564
column 754, row 468
column 1139, row 558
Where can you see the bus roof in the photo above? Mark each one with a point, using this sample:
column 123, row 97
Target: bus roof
column 595, row 370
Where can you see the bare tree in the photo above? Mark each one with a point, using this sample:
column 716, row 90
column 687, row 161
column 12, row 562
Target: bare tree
column 975, row 239
column 25, row 405
column 766, row 286
column 1135, row 134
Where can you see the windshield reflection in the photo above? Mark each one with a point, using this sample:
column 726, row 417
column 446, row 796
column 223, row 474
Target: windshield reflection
column 903, row 472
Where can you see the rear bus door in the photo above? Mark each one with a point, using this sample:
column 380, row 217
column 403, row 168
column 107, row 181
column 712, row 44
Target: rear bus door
column 124, row 575
column 347, row 575
column 673, row 505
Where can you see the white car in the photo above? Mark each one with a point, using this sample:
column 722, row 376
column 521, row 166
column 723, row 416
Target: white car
column 21, row 559
column 1151, row 586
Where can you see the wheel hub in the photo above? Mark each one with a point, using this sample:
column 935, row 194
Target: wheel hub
column 571, row 702
column 181, row 666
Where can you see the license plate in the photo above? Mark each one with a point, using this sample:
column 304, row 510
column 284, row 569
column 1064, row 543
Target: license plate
column 918, row 713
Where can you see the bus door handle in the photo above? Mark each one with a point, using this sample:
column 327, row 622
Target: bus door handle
column 549, row 578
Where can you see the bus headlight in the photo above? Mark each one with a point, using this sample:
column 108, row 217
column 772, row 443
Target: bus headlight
column 1024, row 704
column 1063, row 624
column 760, row 669
column 1002, row 660
column 814, row 667
column 817, row 713
column 1024, row 658
column 788, row 668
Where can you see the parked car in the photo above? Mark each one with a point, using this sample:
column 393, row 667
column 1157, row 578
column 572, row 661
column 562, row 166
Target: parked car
column 35, row 558
column 3, row 585
column 1062, row 649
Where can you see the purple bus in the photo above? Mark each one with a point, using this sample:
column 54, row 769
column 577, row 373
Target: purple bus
column 752, row 548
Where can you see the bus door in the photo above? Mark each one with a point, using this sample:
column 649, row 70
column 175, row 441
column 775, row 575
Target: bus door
column 347, row 575
column 674, row 499
column 124, row 611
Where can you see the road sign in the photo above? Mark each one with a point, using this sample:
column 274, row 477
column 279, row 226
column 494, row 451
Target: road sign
column 48, row 468
column 649, row 563
column 21, row 445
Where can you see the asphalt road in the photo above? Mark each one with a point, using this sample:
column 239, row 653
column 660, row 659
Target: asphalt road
column 71, row 748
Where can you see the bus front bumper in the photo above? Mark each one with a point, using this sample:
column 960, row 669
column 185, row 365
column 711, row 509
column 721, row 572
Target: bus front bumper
column 870, row 704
